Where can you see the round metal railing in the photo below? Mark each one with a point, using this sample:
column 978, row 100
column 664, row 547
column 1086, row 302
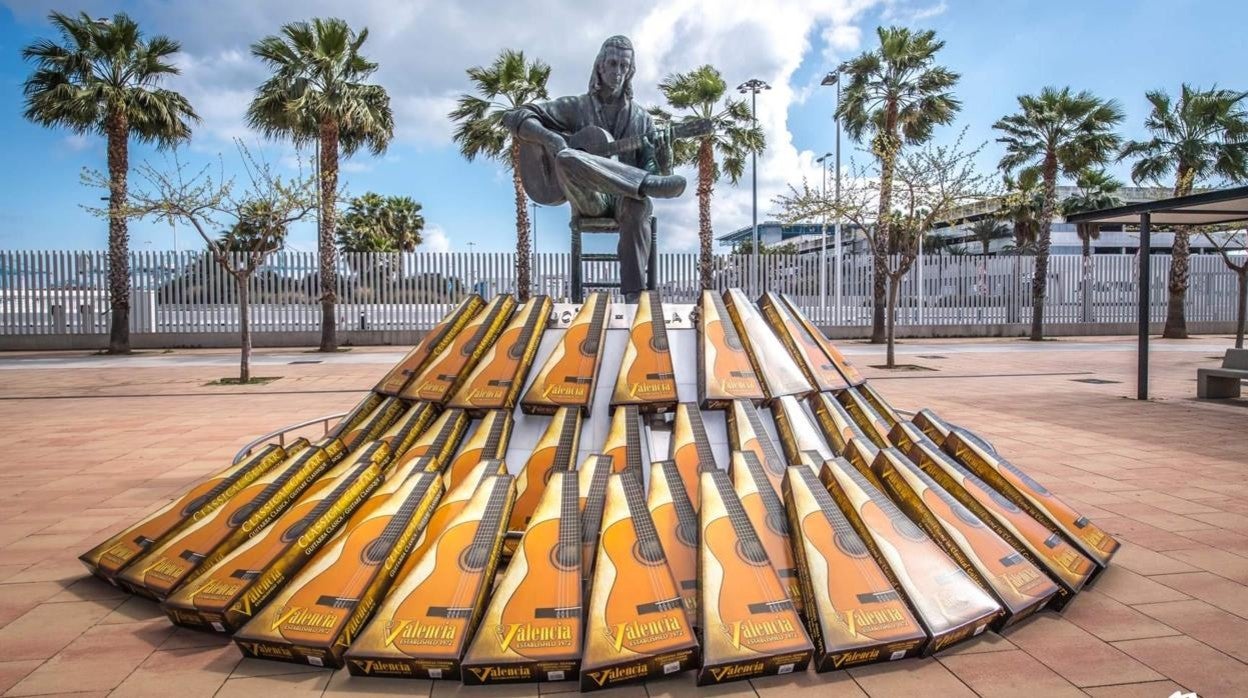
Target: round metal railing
column 280, row 434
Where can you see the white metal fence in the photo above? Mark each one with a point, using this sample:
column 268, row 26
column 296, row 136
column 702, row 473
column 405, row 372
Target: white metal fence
column 66, row 292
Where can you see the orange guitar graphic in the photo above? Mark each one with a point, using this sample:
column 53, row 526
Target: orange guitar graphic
column 568, row 377
column 689, row 448
column 623, row 443
column 438, row 381
column 489, row 441
column 724, row 369
column 847, row 370
column 496, row 381
column 676, row 522
column 747, row 433
column 433, row 343
column 807, row 352
column 647, row 378
column 555, row 451
column 766, row 514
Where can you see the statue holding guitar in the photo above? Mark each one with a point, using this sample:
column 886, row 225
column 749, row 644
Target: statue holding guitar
column 603, row 154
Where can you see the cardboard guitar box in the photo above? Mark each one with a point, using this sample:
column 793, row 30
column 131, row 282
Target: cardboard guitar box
column 882, row 409
column 776, row 370
column 798, row 435
column 556, row 450
column 372, row 426
column 623, row 443
column 570, row 374
column 865, row 416
column 435, row 341
column 109, row 558
column 854, row 614
column 747, row 625
column 160, row 570
column 592, row 478
column 318, row 614
column 747, row 433
column 646, row 378
column 1034, row 498
column 835, row 422
column 421, row 629
column 438, row 441
column 1048, row 551
column 846, row 368
column 766, row 514
column 690, row 448
column 446, row 372
column 636, row 626
column 725, row 371
column 402, row 434
column 234, row 587
column 488, row 441
column 496, row 381
column 676, row 521
column 449, row 508
column 947, row 602
column 805, row 350
column 532, row 629
column 1018, row 586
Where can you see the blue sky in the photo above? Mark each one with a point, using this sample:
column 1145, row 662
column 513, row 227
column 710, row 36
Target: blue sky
column 1002, row 49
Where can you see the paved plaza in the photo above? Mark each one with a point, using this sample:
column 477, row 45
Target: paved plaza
column 93, row 443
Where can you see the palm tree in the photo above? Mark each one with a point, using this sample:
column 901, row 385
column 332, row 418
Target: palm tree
column 897, row 95
column 735, row 136
column 376, row 223
column 1202, row 136
column 1097, row 190
column 506, row 84
column 1023, row 199
column 104, row 77
column 988, row 229
column 318, row 94
column 1058, row 133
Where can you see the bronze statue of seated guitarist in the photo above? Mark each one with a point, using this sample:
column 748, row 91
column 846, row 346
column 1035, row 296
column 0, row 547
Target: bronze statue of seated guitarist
column 566, row 155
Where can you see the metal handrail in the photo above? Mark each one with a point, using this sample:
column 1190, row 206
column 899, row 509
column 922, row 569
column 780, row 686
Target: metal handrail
column 280, row 434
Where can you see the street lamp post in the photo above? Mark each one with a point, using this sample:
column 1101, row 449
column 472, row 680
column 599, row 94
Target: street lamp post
column 833, row 78
column 754, row 86
column 823, row 239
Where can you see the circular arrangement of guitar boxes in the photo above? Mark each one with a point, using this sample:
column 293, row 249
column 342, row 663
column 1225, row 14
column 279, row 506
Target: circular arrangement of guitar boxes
column 837, row 533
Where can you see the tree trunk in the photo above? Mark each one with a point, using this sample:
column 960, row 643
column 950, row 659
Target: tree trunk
column 1040, row 281
column 885, row 146
column 890, row 359
column 524, row 282
column 1242, row 315
column 325, row 236
column 1086, row 237
column 706, row 169
column 118, row 131
column 244, row 327
column 985, row 242
column 1180, row 266
column 1180, row 269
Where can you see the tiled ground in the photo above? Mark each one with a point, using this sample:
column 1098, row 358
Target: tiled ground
column 90, row 449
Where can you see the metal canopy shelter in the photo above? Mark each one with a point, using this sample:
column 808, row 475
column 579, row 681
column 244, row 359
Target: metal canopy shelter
column 1208, row 208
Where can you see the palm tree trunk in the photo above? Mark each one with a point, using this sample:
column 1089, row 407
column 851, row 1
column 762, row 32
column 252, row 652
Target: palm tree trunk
column 984, row 242
column 244, row 327
column 1180, row 269
column 118, row 131
column 1040, row 281
column 1085, row 236
column 524, row 281
column 325, row 235
column 706, row 168
column 894, row 283
column 1180, row 266
column 886, row 146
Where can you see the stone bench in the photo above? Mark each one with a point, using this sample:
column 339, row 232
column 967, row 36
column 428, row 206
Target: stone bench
column 1221, row 383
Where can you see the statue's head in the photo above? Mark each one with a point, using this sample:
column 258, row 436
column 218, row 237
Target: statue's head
column 614, row 68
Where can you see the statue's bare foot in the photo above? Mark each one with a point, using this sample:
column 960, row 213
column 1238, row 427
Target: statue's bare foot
column 663, row 186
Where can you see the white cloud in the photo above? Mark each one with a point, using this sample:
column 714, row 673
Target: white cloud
column 78, row 142
column 435, row 239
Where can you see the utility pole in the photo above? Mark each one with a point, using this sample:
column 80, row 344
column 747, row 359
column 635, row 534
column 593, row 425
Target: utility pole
column 754, row 86
column 823, row 239
column 834, row 78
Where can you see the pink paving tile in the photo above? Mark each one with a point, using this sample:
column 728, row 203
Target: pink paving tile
column 1209, row 624
column 1152, row 689
column 1191, row 664
column 838, row 684
column 1149, row 562
column 46, row 629
column 1127, row 587
column 1218, row 591
column 1075, row 654
column 195, row 672
column 12, row 672
column 344, row 684
column 98, row 660
column 1011, row 674
column 1220, row 562
column 909, row 677
column 1110, row 620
